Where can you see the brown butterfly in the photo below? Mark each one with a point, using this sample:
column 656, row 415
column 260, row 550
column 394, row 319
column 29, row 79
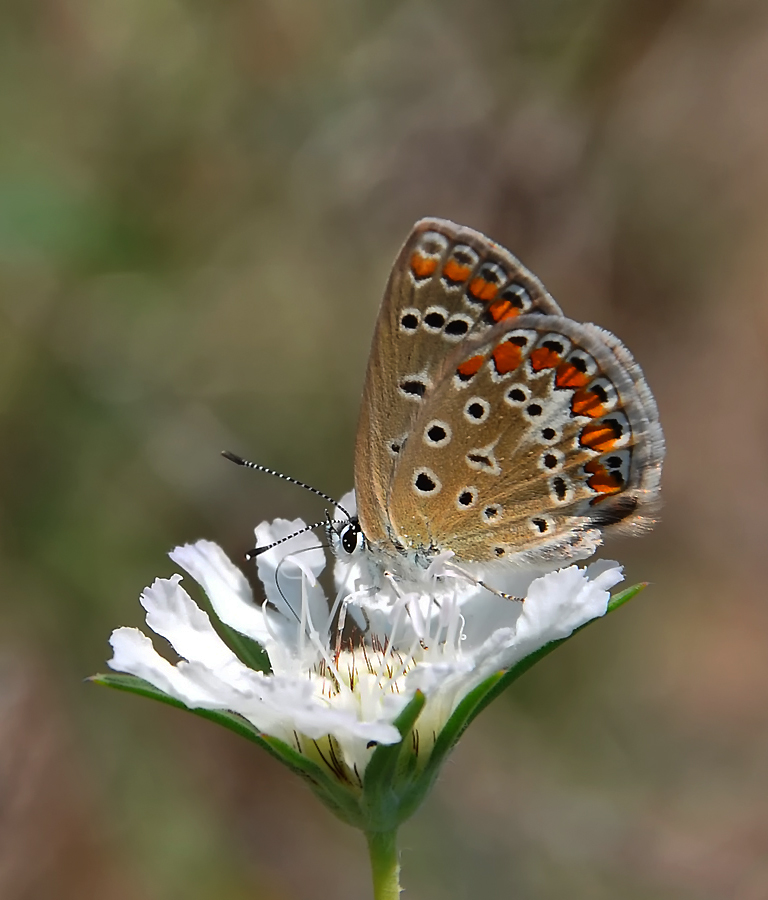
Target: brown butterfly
column 491, row 425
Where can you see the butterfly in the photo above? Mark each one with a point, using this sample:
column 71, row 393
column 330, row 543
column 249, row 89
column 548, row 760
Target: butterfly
column 492, row 427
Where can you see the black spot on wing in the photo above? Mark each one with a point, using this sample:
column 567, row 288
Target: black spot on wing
column 614, row 510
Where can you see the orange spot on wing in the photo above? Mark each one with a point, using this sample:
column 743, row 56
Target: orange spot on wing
column 600, row 436
column 502, row 309
column 471, row 366
column 423, row 266
column 601, row 480
column 568, row 376
column 544, row 358
column 483, row 290
column 454, row 271
column 586, row 403
column 507, row 357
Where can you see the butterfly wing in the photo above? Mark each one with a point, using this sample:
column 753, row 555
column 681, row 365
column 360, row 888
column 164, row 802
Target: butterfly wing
column 534, row 438
column 449, row 286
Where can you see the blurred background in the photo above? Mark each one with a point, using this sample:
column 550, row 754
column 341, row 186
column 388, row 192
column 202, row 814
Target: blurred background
column 199, row 205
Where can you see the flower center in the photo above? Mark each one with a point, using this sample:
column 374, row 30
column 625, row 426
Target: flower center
column 365, row 664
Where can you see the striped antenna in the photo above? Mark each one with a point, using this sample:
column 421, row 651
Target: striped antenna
column 252, row 554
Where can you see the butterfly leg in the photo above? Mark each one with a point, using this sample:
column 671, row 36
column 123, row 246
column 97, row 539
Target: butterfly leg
column 482, row 584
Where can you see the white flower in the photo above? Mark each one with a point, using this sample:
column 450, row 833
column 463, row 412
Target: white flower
column 342, row 672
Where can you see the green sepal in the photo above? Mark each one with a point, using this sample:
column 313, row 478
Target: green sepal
column 248, row 651
column 387, row 768
column 623, row 597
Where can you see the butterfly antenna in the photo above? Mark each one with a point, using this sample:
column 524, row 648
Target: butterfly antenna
column 238, row 460
column 257, row 551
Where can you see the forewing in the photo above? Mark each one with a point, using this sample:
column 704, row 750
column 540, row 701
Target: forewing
column 449, row 286
column 534, row 438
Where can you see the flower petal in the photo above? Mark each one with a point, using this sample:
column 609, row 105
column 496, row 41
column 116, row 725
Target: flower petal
column 290, row 568
column 441, row 633
column 174, row 615
column 557, row 604
column 349, row 503
column 562, row 601
column 228, row 590
column 134, row 654
column 277, row 706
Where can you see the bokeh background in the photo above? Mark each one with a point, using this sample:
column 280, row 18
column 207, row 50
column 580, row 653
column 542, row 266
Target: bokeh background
column 199, row 204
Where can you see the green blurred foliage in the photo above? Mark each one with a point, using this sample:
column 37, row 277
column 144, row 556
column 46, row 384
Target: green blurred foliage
column 199, row 203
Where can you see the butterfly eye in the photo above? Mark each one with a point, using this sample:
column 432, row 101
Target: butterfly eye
column 351, row 538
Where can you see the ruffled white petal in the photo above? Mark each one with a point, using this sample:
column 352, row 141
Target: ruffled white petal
column 133, row 653
column 442, row 635
column 285, row 568
column 211, row 677
column 557, row 604
column 227, row 589
column 174, row 615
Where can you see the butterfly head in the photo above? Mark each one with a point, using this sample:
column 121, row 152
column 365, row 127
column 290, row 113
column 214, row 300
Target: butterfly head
column 346, row 537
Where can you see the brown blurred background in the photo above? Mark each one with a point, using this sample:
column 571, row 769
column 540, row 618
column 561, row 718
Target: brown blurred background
column 199, row 204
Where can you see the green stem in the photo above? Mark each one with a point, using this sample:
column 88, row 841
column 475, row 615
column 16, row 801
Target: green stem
column 385, row 864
